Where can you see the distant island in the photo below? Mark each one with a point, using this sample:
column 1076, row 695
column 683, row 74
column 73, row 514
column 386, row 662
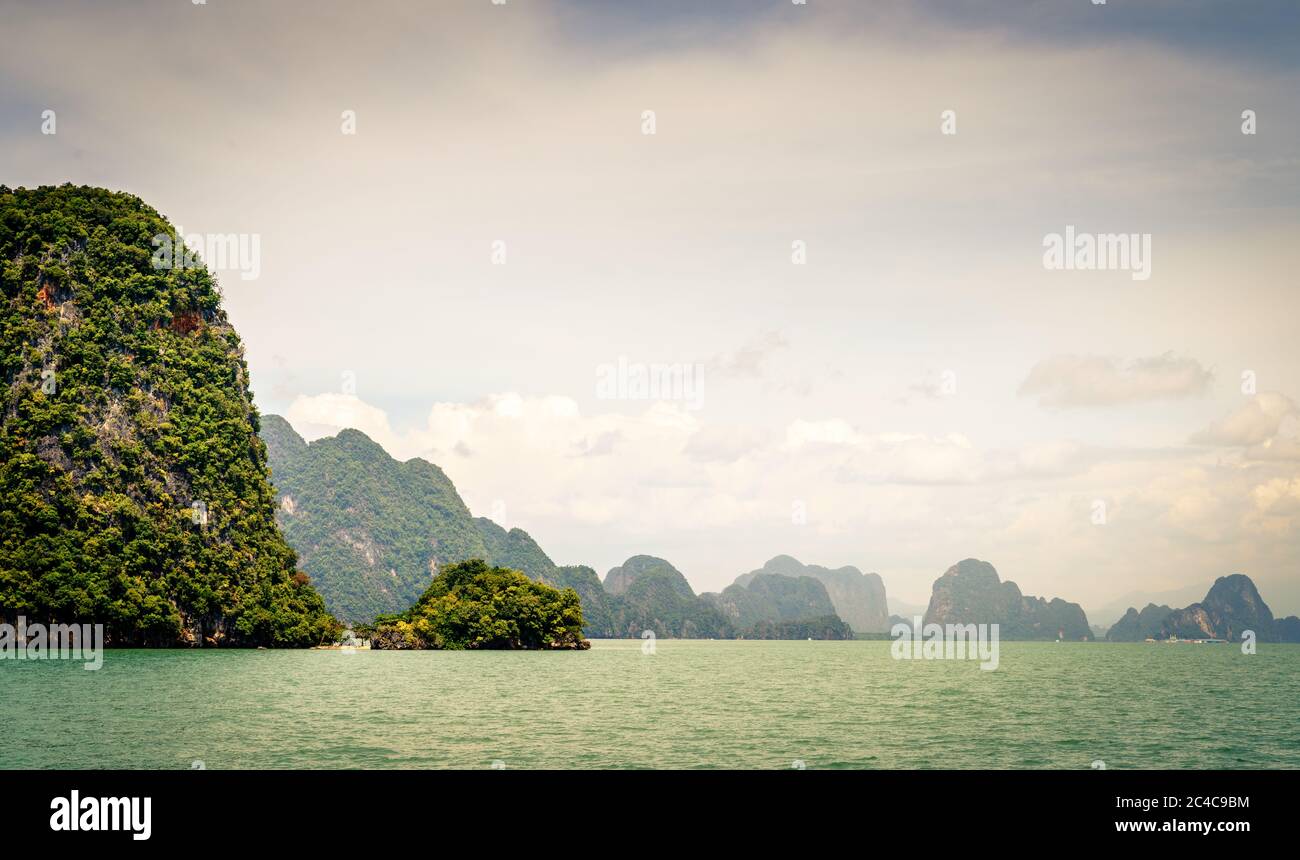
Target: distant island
column 972, row 592
column 1232, row 606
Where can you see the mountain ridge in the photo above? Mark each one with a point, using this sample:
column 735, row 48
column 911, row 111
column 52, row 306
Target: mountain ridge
column 971, row 591
column 1232, row 606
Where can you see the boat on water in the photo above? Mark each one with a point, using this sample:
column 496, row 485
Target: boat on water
column 1174, row 640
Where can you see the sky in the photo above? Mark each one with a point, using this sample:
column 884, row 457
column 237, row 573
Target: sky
column 479, row 224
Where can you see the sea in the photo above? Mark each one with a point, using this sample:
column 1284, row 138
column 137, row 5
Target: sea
column 663, row 704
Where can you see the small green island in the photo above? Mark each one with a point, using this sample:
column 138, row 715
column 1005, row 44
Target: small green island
column 470, row 605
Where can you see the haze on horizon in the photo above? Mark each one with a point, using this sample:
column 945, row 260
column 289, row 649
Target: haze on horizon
column 888, row 376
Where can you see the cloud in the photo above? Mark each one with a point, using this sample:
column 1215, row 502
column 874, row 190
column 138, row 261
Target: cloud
column 1278, row 496
column 1255, row 423
column 723, row 443
column 323, row 415
column 918, row 458
column 679, row 250
column 1071, row 381
column 751, row 358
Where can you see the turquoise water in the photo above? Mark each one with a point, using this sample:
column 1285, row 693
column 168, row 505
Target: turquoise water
column 691, row 704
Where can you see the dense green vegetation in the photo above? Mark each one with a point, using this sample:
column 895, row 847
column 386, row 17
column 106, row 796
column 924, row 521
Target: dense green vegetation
column 126, row 402
column 972, row 592
column 824, row 627
column 1232, row 606
column 515, row 549
column 648, row 593
column 769, row 597
column 471, row 605
column 857, row 597
column 370, row 531
column 597, row 618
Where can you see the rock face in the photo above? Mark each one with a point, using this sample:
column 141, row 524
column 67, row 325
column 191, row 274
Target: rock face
column 858, row 598
column 617, row 579
column 1231, row 606
column 768, row 597
column 133, row 487
column 1137, row 626
column 370, row 531
column 648, row 593
column 971, row 592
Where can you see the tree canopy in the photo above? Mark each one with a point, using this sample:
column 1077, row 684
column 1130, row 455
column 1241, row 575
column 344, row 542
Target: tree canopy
column 133, row 486
column 470, row 605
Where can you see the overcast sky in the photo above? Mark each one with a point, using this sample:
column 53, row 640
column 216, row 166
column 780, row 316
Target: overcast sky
column 890, row 375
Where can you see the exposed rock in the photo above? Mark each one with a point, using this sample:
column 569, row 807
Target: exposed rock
column 970, row 592
column 858, row 598
column 769, row 597
column 1138, row 626
column 648, row 593
column 146, row 504
column 1232, row 606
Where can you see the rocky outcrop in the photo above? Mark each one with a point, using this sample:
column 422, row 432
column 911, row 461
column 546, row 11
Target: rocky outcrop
column 858, row 598
column 1138, row 626
column 768, row 597
column 970, row 592
column 1232, row 606
column 133, row 486
column 648, row 593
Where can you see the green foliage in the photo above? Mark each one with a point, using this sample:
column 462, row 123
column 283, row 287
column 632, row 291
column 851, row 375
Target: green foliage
column 823, row 627
column 657, row 597
column 771, row 597
column 116, row 419
column 471, row 605
column 515, row 549
column 597, row 615
column 369, row 530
